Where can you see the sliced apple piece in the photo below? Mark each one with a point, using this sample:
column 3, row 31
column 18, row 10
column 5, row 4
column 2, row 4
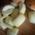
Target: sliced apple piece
column 15, row 13
column 31, row 17
column 3, row 25
column 8, row 9
column 22, row 8
column 8, row 20
column 19, row 20
column 14, row 4
column 13, row 31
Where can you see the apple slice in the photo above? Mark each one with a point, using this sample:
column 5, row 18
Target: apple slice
column 15, row 13
column 22, row 8
column 12, row 31
column 19, row 20
column 8, row 21
column 8, row 9
column 14, row 4
column 3, row 25
column 31, row 17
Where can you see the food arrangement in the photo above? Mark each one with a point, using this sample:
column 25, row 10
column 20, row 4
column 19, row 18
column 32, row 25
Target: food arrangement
column 13, row 16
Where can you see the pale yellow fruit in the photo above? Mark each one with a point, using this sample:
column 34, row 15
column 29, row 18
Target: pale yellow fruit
column 31, row 17
column 14, row 4
column 19, row 20
column 15, row 13
column 22, row 8
column 13, row 31
column 3, row 25
column 8, row 21
column 8, row 9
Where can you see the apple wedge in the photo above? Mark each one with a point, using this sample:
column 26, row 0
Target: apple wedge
column 31, row 17
column 3, row 25
column 15, row 13
column 8, row 9
column 8, row 21
column 12, row 31
column 19, row 20
column 22, row 8
column 14, row 4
